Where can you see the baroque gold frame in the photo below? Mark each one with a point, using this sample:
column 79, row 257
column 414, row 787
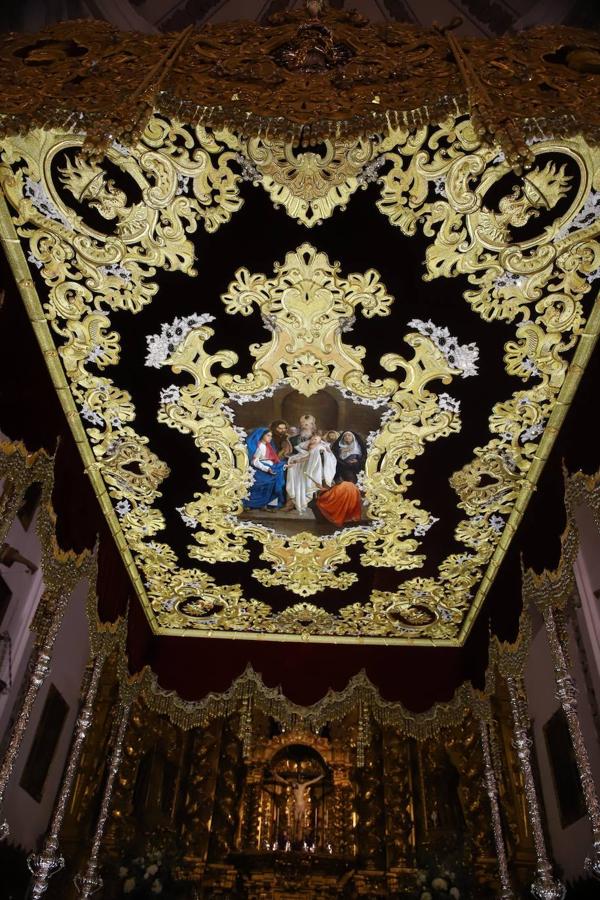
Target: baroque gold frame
column 539, row 284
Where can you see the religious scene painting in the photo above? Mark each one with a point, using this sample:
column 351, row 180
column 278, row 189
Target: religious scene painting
column 307, row 456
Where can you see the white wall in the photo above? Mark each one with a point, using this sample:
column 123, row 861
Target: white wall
column 26, row 592
column 569, row 845
column 587, row 574
column 27, row 818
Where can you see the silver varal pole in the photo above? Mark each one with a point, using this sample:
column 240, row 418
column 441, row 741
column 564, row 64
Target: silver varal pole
column 90, row 882
column 545, row 886
column 45, row 864
column 491, row 787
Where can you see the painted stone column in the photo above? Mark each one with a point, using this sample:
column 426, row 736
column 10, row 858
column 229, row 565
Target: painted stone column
column 45, row 864
column 545, row 886
column 566, row 693
column 491, row 787
column 90, row 881
column 39, row 669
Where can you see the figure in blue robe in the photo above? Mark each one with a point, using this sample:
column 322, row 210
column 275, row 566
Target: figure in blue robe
column 268, row 489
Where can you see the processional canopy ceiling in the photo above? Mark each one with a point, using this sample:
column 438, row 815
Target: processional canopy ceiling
column 315, row 366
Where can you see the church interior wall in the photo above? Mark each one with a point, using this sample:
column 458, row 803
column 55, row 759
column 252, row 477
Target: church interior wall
column 28, row 818
column 570, row 844
column 26, row 592
column 587, row 574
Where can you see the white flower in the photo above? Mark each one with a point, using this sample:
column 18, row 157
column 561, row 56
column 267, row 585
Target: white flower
column 156, row 887
column 190, row 521
column 91, row 415
column 123, row 872
column 454, row 892
column 129, row 886
column 249, row 171
column 170, row 394
column 151, row 870
column 426, row 896
column 507, row 278
column 439, row 186
column 120, row 148
column 439, row 884
column 370, row 173
column 530, row 367
column 592, row 276
column 449, row 403
column 532, row 432
column 34, row 260
column 460, row 356
column 497, row 523
column 36, row 192
column 122, row 508
column 183, row 183
column 118, row 271
column 424, row 527
column 585, row 217
column 161, row 346
column 94, row 354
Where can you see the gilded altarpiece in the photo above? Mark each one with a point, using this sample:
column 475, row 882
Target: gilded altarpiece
column 219, row 802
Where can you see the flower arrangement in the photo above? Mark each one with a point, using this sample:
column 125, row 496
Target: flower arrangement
column 144, row 877
column 437, row 886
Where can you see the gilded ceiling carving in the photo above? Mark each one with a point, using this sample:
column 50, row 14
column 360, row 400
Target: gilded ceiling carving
column 308, row 306
column 309, row 185
column 336, row 78
column 99, row 231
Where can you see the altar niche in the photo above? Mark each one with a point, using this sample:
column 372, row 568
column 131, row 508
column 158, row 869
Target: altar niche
column 297, row 787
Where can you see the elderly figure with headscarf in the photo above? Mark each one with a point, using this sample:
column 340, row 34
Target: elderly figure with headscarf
column 268, row 488
column 351, row 452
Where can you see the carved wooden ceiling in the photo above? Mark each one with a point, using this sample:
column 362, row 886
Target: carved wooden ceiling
column 480, row 17
column 429, row 309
